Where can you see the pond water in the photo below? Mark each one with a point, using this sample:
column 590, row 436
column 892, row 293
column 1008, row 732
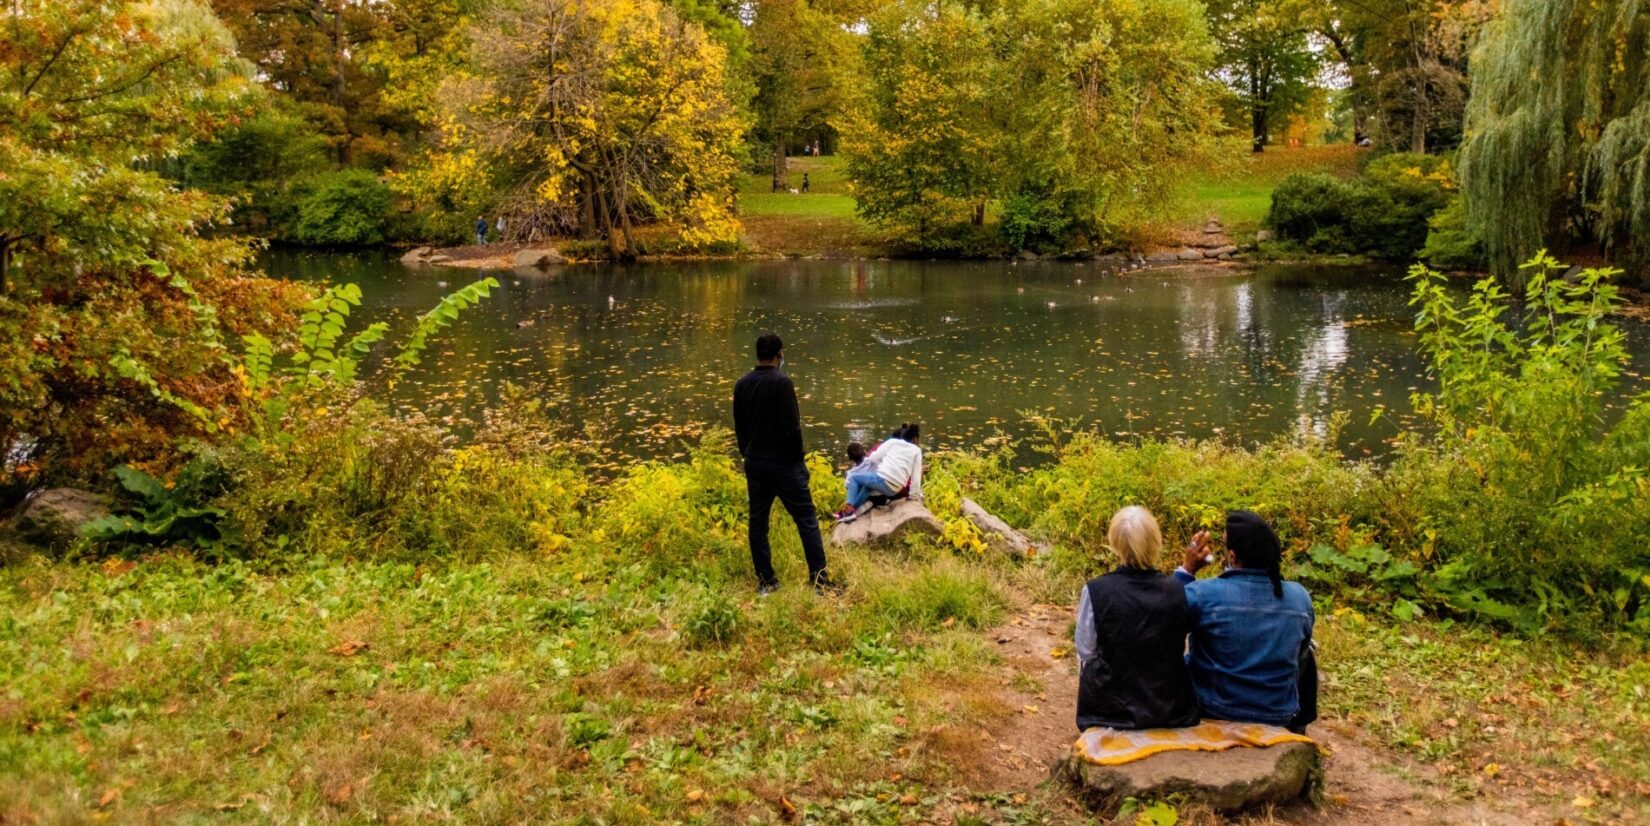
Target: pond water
column 647, row 355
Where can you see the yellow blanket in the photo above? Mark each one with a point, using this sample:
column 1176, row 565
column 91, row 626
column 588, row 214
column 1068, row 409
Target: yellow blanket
column 1110, row 747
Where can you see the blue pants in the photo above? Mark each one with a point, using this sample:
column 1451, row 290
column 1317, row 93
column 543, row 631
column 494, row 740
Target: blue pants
column 481, row 237
column 862, row 486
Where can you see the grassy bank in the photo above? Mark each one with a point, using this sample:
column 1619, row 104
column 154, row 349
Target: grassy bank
column 824, row 222
column 604, row 659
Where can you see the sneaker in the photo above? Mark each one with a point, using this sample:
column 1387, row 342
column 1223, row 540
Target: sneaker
column 865, row 508
column 847, row 513
column 826, row 586
column 766, row 589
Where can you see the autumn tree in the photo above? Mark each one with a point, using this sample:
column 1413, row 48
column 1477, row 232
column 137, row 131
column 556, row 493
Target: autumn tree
column 1072, row 118
column 114, row 310
column 801, row 63
column 1265, row 59
column 1558, row 129
column 591, row 117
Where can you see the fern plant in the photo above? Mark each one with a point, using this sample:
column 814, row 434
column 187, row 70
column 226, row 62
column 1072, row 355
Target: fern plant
column 324, row 356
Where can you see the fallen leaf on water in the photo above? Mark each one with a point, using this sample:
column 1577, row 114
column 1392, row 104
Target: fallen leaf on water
column 348, row 648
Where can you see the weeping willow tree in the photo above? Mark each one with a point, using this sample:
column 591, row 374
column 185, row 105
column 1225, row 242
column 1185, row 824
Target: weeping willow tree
column 1558, row 126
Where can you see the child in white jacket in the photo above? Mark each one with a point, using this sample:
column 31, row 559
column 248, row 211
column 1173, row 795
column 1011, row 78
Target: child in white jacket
column 897, row 467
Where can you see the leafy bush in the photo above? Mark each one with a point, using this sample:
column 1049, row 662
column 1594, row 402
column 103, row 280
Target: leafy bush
column 1384, row 214
column 155, row 514
column 1525, row 498
column 1451, row 243
column 343, row 208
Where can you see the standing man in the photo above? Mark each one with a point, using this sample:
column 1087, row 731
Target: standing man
column 768, row 425
column 481, row 230
column 499, row 225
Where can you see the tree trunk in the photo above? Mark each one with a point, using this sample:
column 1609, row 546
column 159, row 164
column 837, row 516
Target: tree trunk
column 779, row 164
column 1418, row 122
column 979, row 214
column 5, row 267
column 1257, row 115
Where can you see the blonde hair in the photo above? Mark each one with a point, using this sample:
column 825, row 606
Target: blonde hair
column 1135, row 537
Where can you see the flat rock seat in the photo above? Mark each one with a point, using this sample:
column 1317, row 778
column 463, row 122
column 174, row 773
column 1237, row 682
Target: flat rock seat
column 1228, row 780
column 886, row 524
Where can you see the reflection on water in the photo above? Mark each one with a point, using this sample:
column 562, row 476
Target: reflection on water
column 648, row 355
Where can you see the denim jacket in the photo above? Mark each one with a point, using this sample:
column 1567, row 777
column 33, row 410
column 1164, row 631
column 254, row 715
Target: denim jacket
column 1246, row 645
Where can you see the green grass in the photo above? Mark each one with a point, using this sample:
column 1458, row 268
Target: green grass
column 1239, row 190
column 822, row 222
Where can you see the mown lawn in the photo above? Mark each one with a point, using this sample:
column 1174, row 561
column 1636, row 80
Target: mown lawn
column 824, row 221
column 1239, row 190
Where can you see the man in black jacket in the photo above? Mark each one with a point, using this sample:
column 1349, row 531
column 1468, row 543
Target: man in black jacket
column 768, row 425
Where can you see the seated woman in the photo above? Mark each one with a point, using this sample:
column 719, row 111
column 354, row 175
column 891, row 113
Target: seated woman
column 1251, row 657
column 1131, row 637
column 898, row 468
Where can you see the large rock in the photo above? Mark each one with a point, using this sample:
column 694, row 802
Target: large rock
column 541, row 257
column 1163, row 257
column 877, row 526
column 1190, row 254
column 1217, row 252
column 417, row 255
column 1226, row 781
column 998, row 533
column 52, row 518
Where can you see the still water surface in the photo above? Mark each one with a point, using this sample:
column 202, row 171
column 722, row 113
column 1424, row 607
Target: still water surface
column 647, row 355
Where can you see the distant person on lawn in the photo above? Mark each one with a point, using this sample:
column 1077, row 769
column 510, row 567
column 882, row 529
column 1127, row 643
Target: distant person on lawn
column 896, row 468
column 768, row 425
column 481, row 230
column 1251, row 654
column 1131, row 636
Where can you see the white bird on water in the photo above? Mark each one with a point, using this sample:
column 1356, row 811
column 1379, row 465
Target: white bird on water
column 1051, row 305
column 611, row 301
column 441, row 284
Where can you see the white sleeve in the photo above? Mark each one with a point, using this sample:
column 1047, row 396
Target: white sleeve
column 916, row 478
column 877, row 454
column 1085, row 638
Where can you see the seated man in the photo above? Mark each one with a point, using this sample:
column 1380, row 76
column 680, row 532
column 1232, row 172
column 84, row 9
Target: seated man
column 1250, row 654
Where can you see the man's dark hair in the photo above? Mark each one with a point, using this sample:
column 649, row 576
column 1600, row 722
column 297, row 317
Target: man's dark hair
column 856, row 452
column 768, row 346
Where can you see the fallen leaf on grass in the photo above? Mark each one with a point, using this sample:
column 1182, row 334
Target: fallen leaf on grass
column 1582, row 802
column 348, row 648
column 340, row 795
column 908, row 799
column 696, row 795
column 110, row 795
column 1059, row 652
column 1030, row 709
column 786, row 808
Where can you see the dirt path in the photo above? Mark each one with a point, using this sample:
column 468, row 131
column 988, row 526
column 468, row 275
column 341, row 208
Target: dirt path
column 1364, row 784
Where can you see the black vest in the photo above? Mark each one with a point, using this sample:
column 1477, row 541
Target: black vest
column 1138, row 677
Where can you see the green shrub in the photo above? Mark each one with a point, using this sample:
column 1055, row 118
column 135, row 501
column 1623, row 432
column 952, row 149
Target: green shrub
column 1521, row 496
column 343, row 208
column 1385, row 213
column 1451, row 243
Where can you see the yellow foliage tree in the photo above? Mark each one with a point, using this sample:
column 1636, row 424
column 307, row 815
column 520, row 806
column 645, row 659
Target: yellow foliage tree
column 593, row 117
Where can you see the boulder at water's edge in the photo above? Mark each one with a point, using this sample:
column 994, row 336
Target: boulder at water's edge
column 1226, row 781
column 887, row 524
column 999, row 534
column 540, row 257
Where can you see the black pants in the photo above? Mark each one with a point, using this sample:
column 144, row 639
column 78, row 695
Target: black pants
column 765, row 480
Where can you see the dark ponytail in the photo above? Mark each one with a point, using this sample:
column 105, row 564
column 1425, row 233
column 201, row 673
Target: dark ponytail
column 1254, row 544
